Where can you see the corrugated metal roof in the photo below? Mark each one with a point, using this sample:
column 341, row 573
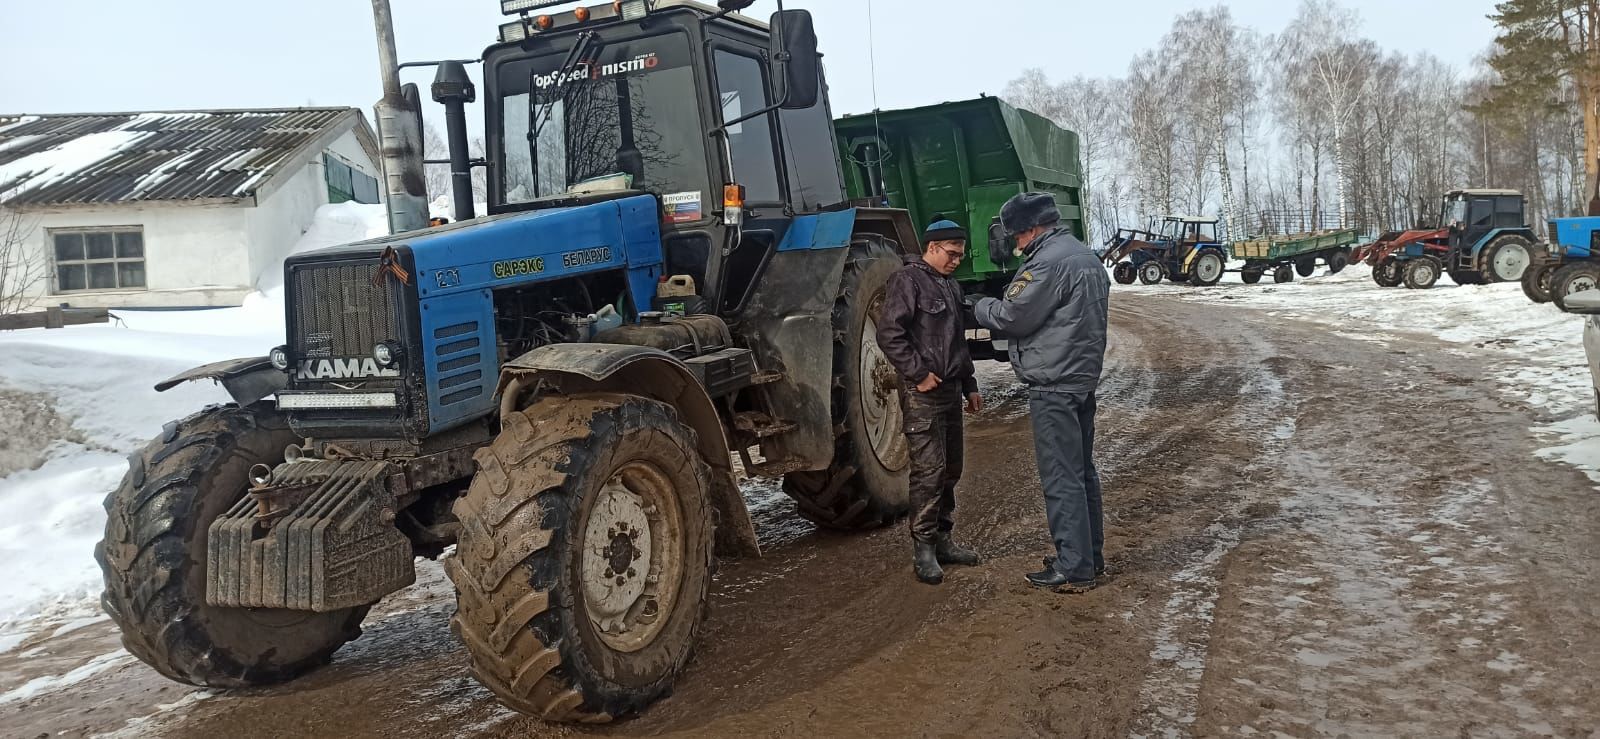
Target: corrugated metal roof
column 123, row 157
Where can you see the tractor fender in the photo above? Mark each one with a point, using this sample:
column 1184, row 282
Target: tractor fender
column 247, row 379
column 652, row 373
column 1477, row 248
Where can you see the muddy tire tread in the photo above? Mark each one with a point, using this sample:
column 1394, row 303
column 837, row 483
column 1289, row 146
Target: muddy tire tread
column 145, row 546
column 507, row 565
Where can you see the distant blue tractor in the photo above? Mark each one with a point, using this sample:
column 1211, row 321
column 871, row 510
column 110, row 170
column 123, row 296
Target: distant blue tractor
column 1184, row 249
column 1569, row 264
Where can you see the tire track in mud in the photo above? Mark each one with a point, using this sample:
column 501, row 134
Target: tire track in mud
column 1251, row 430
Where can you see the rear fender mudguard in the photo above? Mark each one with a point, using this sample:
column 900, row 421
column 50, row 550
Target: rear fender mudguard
column 247, row 379
column 652, row 373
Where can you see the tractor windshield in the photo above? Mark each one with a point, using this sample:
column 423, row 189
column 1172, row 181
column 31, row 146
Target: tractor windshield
column 630, row 113
column 1455, row 212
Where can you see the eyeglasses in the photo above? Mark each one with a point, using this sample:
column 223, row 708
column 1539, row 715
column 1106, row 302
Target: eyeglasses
column 956, row 254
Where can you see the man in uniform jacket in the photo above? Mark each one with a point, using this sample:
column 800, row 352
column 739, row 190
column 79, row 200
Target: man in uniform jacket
column 1054, row 315
column 921, row 332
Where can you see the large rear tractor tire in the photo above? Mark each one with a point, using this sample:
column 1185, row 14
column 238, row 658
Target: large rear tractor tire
column 1422, row 273
column 1207, row 269
column 1536, row 281
column 154, row 558
column 1123, row 273
column 866, row 484
column 1572, row 278
column 1507, row 257
column 584, row 557
column 1388, row 273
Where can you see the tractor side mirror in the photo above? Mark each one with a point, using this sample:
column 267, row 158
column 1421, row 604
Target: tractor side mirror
column 798, row 66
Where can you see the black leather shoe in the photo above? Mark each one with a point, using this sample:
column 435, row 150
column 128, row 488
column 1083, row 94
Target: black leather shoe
column 926, row 564
column 951, row 553
column 1058, row 582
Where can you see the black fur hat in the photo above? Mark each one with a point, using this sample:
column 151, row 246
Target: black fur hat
column 1029, row 209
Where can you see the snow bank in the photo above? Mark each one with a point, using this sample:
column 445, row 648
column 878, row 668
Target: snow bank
column 1535, row 352
column 100, row 378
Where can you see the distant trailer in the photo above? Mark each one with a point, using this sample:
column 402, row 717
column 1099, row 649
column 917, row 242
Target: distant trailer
column 1289, row 254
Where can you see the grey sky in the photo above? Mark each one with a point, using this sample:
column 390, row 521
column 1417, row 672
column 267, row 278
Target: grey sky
column 174, row 54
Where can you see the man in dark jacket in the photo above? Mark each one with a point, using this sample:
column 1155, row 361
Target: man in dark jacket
column 1054, row 314
column 922, row 335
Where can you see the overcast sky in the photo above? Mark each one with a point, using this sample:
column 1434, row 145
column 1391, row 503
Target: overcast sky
column 177, row 54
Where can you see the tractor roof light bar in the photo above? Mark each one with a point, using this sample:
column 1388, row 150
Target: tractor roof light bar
column 513, row 7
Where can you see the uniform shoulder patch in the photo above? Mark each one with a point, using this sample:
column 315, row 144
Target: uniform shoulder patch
column 1018, row 285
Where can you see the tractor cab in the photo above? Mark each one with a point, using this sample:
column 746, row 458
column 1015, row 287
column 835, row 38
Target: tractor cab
column 680, row 100
column 1189, row 230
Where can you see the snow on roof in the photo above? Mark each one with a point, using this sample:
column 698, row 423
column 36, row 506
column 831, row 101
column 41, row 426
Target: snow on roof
column 179, row 155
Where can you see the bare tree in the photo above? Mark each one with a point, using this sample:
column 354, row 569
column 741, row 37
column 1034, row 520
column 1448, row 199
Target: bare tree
column 1216, row 84
column 21, row 269
column 1086, row 107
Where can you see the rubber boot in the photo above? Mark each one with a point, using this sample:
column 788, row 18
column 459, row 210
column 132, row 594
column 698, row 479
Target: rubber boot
column 951, row 553
column 926, row 564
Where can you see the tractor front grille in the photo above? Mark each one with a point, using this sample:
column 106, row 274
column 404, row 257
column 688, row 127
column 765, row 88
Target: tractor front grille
column 1555, row 234
column 340, row 312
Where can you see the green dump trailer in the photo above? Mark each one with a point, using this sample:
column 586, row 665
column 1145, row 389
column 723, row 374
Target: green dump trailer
column 962, row 160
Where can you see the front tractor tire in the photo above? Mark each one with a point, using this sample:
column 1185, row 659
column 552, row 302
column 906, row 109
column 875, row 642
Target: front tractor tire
column 153, row 558
column 1422, row 273
column 866, row 484
column 584, row 557
column 1150, row 273
column 1573, row 278
column 1388, row 273
column 1123, row 273
column 1536, row 281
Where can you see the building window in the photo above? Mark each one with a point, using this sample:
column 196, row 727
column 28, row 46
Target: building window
column 102, row 259
column 346, row 183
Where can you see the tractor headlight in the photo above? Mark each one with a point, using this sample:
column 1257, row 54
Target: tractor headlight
column 387, row 353
column 279, row 356
column 631, row 10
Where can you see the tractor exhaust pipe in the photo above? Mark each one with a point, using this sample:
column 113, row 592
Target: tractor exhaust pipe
column 453, row 88
column 399, row 118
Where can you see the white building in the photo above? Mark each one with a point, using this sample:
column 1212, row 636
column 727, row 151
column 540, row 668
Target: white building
column 175, row 208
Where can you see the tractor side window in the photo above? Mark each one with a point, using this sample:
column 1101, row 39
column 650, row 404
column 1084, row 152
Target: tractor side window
column 1508, row 212
column 1482, row 213
column 743, row 89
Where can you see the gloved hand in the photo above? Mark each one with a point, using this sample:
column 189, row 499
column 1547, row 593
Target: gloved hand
column 969, row 308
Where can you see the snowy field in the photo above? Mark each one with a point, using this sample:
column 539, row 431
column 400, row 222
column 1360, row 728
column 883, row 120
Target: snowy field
column 1535, row 352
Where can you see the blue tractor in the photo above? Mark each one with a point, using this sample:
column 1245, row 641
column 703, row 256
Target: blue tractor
column 1489, row 237
column 1179, row 249
column 669, row 276
column 1569, row 264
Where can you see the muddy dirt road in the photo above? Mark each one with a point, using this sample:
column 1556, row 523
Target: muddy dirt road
column 1295, row 553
